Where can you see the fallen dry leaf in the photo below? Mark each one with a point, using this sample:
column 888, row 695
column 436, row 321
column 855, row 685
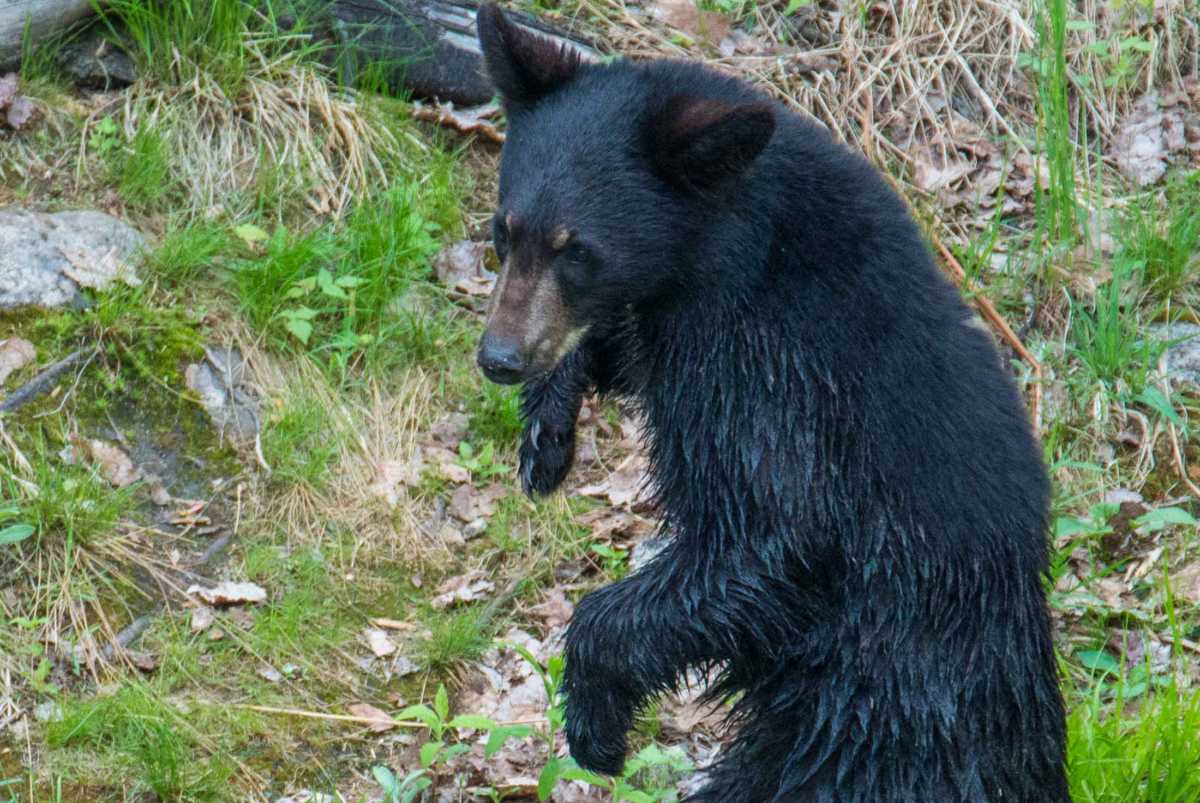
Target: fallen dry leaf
column 446, row 463
column 554, row 609
column 468, row 587
column 18, row 108
column 19, row 112
column 270, row 674
column 624, row 486
column 469, row 503
column 686, row 16
column 1186, row 583
column 115, row 466
column 142, row 660
column 15, row 354
column 380, row 721
column 450, row 429
column 8, row 89
column 228, row 593
column 202, row 619
column 391, row 476
column 607, row 524
column 1154, row 130
column 379, row 642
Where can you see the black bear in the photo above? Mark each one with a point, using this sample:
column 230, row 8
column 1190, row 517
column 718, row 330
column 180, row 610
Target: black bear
column 856, row 503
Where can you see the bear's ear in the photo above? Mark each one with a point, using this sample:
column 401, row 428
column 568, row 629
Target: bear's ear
column 700, row 145
column 522, row 65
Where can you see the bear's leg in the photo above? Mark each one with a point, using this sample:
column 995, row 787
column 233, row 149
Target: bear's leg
column 635, row 638
column 550, row 407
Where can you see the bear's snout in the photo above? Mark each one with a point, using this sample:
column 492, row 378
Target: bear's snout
column 500, row 360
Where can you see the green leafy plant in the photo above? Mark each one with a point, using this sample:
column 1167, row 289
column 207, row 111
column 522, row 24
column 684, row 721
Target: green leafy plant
column 399, row 790
column 105, row 137
column 616, row 560
column 13, row 533
column 440, row 725
column 482, row 462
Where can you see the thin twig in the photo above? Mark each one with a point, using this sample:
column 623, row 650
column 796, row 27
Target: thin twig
column 1182, row 642
column 989, row 311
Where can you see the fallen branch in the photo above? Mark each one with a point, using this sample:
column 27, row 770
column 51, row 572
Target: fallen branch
column 400, row 723
column 466, row 121
column 43, row 382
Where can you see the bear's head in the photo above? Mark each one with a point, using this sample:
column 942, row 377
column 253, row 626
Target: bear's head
column 608, row 175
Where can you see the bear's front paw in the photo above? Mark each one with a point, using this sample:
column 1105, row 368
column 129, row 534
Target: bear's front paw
column 546, row 458
column 597, row 740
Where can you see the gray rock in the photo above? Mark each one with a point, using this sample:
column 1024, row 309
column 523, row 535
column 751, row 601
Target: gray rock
column 95, row 63
column 34, row 249
column 1181, row 361
column 220, row 382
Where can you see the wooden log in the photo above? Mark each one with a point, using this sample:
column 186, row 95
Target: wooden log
column 40, row 17
column 424, row 47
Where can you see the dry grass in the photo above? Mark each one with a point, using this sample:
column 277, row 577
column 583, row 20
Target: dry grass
column 287, row 130
column 373, row 426
column 898, row 75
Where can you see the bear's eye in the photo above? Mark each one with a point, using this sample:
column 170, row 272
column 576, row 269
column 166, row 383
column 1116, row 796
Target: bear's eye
column 577, row 254
column 500, row 236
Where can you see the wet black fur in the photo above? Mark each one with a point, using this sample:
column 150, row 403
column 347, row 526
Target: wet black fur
column 857, row 505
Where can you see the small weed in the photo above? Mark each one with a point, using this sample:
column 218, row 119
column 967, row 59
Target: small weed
column 482, row 462
column 105, row 138
column 454, row 638
column 401, row 790
column 615, row 560
column 1107, row 340
column 1165, row 243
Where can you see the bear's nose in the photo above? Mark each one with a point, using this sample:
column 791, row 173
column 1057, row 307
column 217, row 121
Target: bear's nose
column 500, row 360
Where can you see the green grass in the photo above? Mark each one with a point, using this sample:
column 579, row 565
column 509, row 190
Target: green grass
column 300, row 440
column 143, row 168
column 345, row 290
column 133, row 728
column 1107, row 340
column 1056, row 205
column 191, row 252
column 171, row 39
column 1163, row 240
column 496, row 414
column 72, row 504
column 1143, row 751
column 455, row 637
